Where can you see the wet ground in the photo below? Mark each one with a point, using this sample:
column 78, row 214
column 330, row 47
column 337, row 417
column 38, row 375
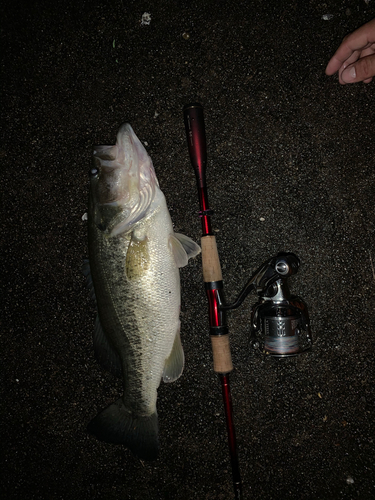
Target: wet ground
column 291, row 167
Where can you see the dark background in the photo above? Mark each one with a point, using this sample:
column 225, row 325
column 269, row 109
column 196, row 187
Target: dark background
column 291, row 167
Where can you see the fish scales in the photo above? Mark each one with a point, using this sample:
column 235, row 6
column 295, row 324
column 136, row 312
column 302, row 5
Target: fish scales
column 148, row 330
column 134, row 257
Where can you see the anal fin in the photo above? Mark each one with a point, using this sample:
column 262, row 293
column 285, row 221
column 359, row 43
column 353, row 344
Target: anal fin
column 174, row 364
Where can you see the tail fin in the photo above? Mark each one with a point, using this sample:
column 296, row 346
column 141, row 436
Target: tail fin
column 117, row 425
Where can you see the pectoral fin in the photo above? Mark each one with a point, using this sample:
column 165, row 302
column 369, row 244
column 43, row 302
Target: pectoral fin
column 183, row 248
column 190, row 247
column 174, row 364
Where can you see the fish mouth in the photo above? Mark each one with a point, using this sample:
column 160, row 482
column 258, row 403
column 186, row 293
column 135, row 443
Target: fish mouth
column 123, row 182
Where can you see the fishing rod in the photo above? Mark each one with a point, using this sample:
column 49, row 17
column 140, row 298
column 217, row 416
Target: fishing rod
column 196, row 138
column 280, row 324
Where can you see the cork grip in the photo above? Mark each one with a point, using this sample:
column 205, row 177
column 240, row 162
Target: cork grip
column 221, row 354
column 210, row 260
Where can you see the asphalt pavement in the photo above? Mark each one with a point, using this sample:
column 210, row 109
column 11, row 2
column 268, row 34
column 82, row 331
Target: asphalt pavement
column 290, row 168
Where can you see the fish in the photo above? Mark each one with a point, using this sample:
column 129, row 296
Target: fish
column 133, row 276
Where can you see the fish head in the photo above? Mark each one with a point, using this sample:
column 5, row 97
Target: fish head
column 122, row 183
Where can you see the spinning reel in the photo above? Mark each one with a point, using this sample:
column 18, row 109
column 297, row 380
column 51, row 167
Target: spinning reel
column 280, row 323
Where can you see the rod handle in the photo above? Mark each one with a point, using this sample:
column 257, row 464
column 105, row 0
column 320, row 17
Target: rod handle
column 221, row 354
column 212, row 273
column 210, row 260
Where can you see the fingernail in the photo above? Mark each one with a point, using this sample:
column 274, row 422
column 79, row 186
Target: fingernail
column 348, row 74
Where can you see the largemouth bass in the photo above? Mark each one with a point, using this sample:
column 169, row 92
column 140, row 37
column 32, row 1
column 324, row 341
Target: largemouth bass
column 134, row 257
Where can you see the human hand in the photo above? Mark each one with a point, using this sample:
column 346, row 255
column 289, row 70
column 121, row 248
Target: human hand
column 355, row 58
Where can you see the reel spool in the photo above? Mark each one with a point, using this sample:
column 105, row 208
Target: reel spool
column 280, row 324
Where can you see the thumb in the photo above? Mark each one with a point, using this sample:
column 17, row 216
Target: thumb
column 363, row 69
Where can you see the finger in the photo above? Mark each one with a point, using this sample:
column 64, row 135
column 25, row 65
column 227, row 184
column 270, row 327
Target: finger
column 361, row 70
column 358, row 40
column 352, row 59
column 369, row 51
column 344, row 53
column 335, row 63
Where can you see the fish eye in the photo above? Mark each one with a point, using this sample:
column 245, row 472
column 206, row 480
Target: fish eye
column 94, row 171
